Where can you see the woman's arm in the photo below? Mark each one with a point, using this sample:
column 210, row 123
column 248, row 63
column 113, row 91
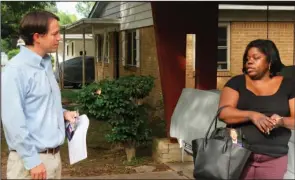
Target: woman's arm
column 231, row 115
column 289, row 122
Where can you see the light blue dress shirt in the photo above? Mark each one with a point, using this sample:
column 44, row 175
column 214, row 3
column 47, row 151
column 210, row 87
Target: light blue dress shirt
column 32, row 113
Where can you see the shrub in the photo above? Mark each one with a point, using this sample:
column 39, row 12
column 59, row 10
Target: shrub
column 118, row 102
column 12, row 53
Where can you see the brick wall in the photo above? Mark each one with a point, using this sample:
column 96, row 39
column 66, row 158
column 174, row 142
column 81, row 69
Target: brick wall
column 241, row 34
column 282, row 33
column 148, row 62
column 108, row 71
column 190, row 58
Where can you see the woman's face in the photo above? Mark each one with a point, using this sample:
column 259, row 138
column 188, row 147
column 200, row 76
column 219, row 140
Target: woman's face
column 256, row 65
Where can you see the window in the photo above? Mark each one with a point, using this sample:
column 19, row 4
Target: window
column 223, row 62
column 107, row 48
column 130, row 44
column 131, row 48
column 73, row 49
column 99, row 47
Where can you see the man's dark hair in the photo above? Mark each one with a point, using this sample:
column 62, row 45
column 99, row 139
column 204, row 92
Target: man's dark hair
column 269, row 49
column 35, row 22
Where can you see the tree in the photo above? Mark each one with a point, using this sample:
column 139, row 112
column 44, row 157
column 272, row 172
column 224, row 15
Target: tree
column 65, row 18
column 84, row 8
column 11, row 14
column 13, row 11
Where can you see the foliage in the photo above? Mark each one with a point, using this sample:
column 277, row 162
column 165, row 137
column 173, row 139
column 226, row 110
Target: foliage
column 5, row 44
column 84, row 8
column 12, row 53
column 135, row 161
column 13, row 11
column 65, row 18
column 139, row 86
column 117, row 102
column 52, row 60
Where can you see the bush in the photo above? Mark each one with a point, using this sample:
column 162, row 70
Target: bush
column 117, row 102
column 12, row 53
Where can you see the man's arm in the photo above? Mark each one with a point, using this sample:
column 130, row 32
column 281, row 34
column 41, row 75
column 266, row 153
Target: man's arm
column 13, row 118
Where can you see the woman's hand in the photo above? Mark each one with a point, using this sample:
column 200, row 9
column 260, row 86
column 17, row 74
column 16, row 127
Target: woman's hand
column 278, row 120
column 262, row 122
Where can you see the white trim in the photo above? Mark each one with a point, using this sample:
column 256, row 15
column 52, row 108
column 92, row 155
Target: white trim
column 137, row 37
column 254, row 7
column 227, row 25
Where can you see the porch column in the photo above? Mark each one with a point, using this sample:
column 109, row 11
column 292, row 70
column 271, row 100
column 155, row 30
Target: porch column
column 172, row 21
column 94, row 37
column 63, row 59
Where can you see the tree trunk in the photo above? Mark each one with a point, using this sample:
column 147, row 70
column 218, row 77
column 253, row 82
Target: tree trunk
column 130, row 152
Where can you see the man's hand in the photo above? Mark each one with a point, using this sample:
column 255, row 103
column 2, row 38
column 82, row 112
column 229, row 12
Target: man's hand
column 38, row 172
column 71, row 116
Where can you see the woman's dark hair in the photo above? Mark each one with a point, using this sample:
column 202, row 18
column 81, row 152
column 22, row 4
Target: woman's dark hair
column 269, row 49
column 35, row 22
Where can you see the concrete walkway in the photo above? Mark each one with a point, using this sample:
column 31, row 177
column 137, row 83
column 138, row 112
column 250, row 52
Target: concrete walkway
column 170, row 174
column 185, row 168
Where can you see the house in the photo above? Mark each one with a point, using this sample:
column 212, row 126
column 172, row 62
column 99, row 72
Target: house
column 124, row 38
column 73, row 47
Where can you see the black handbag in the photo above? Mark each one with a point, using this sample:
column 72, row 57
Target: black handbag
column 218, row 157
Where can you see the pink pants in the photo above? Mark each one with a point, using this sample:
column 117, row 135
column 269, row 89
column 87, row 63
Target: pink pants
column 265, row 167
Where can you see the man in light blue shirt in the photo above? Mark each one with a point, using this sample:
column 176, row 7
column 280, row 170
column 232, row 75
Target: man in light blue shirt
column 32, row 114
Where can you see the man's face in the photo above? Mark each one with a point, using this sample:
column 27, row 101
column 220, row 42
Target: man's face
column 49, row 42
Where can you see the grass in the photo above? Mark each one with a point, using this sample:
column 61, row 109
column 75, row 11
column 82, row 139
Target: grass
column 70, row 94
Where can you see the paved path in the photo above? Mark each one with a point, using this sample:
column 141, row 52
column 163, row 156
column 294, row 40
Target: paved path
column 148, row 175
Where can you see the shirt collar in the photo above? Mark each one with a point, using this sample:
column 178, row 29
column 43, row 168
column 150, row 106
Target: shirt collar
column 34, row 59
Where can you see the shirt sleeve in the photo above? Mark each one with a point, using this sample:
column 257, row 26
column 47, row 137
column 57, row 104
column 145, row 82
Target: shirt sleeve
column 234, row 82
column 13, row 117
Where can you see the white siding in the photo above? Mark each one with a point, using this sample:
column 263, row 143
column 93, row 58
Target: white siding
column 133, row 14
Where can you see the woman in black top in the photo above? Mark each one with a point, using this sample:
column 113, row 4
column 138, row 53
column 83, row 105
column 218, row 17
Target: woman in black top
column 261, row 103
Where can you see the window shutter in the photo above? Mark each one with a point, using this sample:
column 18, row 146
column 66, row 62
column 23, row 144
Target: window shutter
column 107, row 48
column 104, row 47
column 123, row 42
column 98, row 47
column 137, row 37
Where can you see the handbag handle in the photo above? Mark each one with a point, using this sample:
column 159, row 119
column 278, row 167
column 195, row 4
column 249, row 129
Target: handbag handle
column 214, row 120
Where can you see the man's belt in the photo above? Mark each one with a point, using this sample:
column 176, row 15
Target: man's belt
column 48, row 151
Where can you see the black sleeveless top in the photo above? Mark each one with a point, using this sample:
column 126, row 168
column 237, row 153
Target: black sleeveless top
column 276, row 143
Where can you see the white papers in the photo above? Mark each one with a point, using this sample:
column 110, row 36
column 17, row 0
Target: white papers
column 77, row 146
